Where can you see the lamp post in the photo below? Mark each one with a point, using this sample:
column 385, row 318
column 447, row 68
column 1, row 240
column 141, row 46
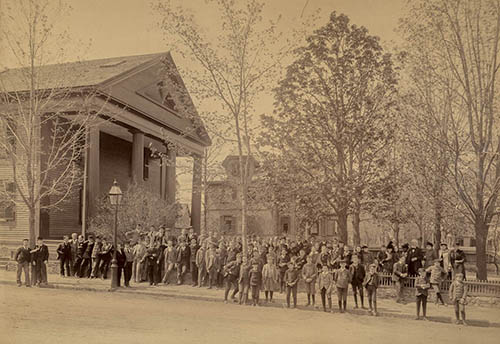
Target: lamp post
column 115, row 198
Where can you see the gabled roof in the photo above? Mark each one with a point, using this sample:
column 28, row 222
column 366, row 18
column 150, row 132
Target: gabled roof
column 129, row 80
column 73, row 74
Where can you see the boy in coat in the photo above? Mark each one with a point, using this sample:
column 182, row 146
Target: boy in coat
column 200, row 264
column 23, row 258
column 193, row 268
column 41, row 256
column 309, row 274
column 64, row 256
column 436, row 275
column 283, row 261
column 212, row 266
column 244, row 281
column 255, row 283
column 291, row 279
column 96, row 258
column 170, row 257
column 231, row 273
column 183, row 255
column 371, row 284
column 342, row 278
column 458, row 296
column 86, row 269
column 422, row 286
column 399, row 274
column 325, row 285
column 357, row 271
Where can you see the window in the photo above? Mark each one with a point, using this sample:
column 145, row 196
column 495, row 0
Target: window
column 285, row 224
column 285, row 228
column 472, row 242
column 7, row 206
column 314, row 229
column 227, row 224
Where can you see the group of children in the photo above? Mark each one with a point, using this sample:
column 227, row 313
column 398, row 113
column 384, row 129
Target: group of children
column 276, row 264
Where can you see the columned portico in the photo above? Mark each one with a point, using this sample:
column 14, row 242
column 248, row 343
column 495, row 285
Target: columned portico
column 93, row 170
column 196, row 194
column 170, row 180
column 137, row 156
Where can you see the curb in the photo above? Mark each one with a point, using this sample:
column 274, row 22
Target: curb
column 446, row 320
column 121, row 291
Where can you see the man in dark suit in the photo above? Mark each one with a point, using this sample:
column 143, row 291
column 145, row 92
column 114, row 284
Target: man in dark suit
column 64, row 256
column 74, row 252
column 81, row 246
column 121, row 259
column 86, row 267
column 41, row 256
column 414, row 258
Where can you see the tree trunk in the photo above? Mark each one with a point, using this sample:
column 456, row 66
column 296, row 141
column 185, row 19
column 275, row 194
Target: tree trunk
column 244, row 220
column 437, row 221
column 342, row 225
column 32, row 226
column 396, row 234
column 481, row 258
column 205, row 196
column 355, row 226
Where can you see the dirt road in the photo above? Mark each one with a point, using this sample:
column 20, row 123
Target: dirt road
column 65, row 316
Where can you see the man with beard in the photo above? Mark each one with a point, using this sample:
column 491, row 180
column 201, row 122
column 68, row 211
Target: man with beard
column 414, row 258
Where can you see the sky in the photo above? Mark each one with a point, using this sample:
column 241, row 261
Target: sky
column 110, row 28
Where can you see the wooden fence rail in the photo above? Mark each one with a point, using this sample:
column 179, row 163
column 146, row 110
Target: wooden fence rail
column 476, row 287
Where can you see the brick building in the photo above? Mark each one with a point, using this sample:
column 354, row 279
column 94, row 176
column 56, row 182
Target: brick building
column 132, row 91
column 263, row 219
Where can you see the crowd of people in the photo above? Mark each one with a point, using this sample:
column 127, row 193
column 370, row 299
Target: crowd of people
column 156, row 256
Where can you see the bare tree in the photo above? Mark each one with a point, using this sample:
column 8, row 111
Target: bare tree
column 233, row 69
column 43, row 120
column 461, row 42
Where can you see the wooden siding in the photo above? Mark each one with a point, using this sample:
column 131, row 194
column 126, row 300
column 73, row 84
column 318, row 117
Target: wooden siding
column 19, row 228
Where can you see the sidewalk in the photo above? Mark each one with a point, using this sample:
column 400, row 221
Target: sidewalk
column 477, row 316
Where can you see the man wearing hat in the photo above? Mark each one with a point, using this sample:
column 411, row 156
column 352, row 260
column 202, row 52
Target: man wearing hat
column 457, row 258
column 444, row 257
column 414, row 258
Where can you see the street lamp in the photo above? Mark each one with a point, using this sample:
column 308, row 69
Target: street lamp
column 115, row 198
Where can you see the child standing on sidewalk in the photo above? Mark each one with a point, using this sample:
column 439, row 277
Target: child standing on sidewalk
column 437, row 273
column 422, row 286
column 458, row 295
column 371, row 283
column 270, row 277
column 244, row 281
column 255, row 283
column 342, row 279
column 291, row 280
column 325, row 285
column 309, row 274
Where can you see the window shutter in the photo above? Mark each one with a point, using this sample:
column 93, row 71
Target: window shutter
column 10, row 188
column 10, row 213
column 222, row 224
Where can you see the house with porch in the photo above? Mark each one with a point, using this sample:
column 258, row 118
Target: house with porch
column 136, row 99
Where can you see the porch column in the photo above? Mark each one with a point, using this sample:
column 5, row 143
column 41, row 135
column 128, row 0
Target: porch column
column 93, row 171
column 170, row 180
column 196, row 194
column 138, row 156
